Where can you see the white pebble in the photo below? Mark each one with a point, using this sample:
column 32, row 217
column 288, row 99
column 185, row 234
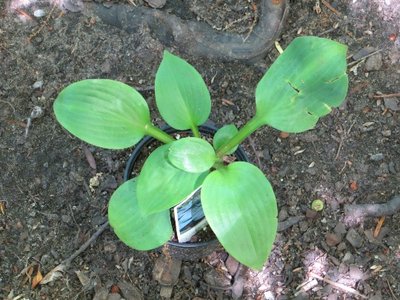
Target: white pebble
column 38, row 84
column 39, row 13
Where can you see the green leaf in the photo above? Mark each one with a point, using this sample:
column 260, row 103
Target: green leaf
column 135, row 229
column 306, row 80
column 223, row 135
column 182, row 96
column 102, row 112
column 192, row 155
column 161, row 185
column 240, row 207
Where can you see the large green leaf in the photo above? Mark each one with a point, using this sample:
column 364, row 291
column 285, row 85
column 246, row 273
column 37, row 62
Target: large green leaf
column 192, row 155
column 182, row 96
column 102, row 112
column 240, row 206
column 161, row 185
column 223, row 135
column 135, row 229
column 306, row 80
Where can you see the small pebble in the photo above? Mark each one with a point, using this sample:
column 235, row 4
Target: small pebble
column 354, row 238
column 363, row 52
column 332, row 239
column 311, row 214
column 283, row 214
column 386, row 133
column 392, row 104
column 216, row 278
column 348, row 258
column 156, row 3
column 377, row 157
column 341, row 247
column 374, row 62
column 232, row 265
column 39, row 13
column 355, row 273
column 37, row 85
column 110, row 248
column 269, row 296
column 340, row 229
column 392, row 168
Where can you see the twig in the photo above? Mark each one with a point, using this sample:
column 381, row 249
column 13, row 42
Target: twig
column 86, row 244
column 253, row 24
column 342, row 138
column 362, row 58
column 6, row 102
column 391, row 291
column 357, row 211
column 144, row 88
column 252, row 145
column 338, row 285
column 64, row 265
column 330, row 7
column 387, row 95
column 35, row 33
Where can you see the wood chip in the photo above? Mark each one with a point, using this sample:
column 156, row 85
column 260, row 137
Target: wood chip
column 379, row 226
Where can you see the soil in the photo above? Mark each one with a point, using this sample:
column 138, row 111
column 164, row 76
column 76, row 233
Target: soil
column 48, row 209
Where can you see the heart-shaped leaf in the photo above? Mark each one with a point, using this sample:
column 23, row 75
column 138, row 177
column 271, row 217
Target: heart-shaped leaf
column 240, row 206
column 161, row 185
column 182, row 96
column 306, row 80
column 223, row 135
column 192, row 155
column 136, row 229
column 102, row 112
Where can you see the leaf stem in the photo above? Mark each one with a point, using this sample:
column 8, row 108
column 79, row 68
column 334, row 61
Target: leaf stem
column 196, row 132
column 243, row 133
column 158, row 134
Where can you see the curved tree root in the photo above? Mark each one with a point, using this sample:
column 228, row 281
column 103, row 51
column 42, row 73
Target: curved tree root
column 359, row 211
column 197, row 38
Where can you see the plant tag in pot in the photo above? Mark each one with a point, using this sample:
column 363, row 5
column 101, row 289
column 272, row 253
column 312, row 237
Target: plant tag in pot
column 189, row 217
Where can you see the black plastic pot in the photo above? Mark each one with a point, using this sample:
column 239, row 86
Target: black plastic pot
column 183, row 251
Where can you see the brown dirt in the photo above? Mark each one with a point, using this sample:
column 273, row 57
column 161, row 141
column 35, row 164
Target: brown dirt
column 352, row 156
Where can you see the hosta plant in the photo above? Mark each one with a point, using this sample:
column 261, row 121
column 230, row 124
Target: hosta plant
column 303, row 84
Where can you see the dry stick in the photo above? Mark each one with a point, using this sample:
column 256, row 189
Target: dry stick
column 387, row 95
column 362, row 58
column 59, row 269
column 253, row 146
column 357, row 211
column 86, row 244
column 330, row 7
column 35, row 33
column 339, row 286
column 391, row 291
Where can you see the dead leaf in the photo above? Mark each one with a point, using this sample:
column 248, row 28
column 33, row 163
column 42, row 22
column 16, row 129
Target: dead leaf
column 2, row 207
column 37, row 279
column 27, row 271
column 54, row 274
column 83, row 279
